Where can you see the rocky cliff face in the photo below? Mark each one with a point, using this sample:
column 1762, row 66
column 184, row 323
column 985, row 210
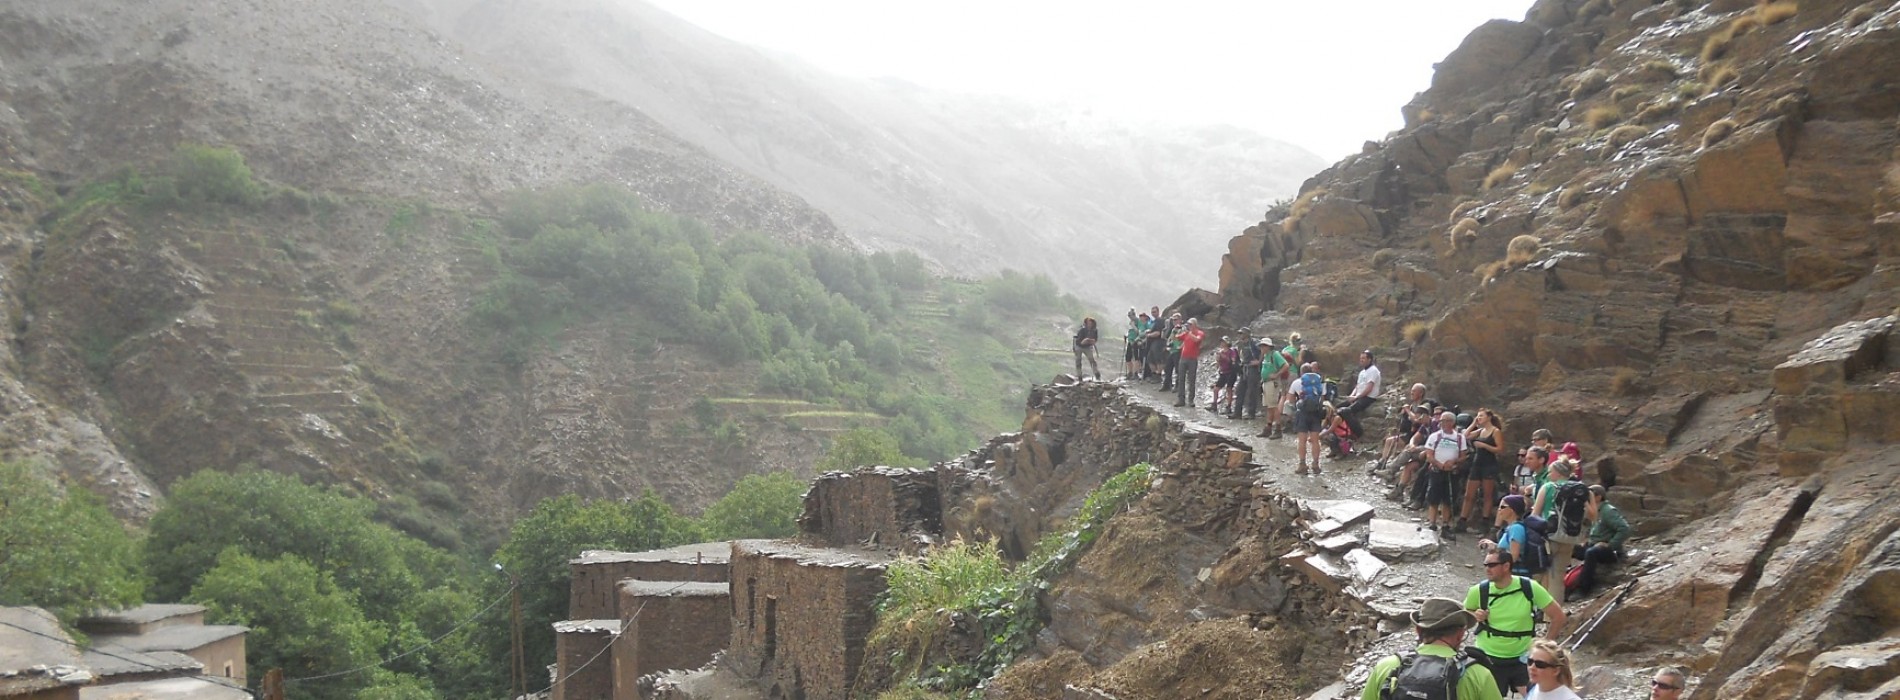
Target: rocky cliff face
column 1711, row 193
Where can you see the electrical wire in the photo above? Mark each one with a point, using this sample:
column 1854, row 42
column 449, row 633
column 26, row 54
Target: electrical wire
column 95, row 650
column 609, row 645
column 445, row 635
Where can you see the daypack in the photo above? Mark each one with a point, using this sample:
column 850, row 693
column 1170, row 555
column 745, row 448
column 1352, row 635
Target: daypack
column 1536, row 549
column 1312, row 392
column 1425, row 677
column 1523, row 586
column 1572, row 499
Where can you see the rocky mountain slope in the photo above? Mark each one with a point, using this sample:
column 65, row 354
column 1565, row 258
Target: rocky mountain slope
column 975, row 183
column 1711, row 193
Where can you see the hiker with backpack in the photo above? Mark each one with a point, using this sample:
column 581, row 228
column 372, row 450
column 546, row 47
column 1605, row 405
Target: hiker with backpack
column 1249, row 403
column 1227, row 366
column 1084, row 346
column 1308, row 414
column 1444, row 451
column 1565, row 503
column 1507, row 608
column 1276, row 370
column 1608, row 530
column 1522, row 535
column 1436, row 670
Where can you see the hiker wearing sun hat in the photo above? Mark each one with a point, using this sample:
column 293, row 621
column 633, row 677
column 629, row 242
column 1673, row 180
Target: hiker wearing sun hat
column 1436, row 668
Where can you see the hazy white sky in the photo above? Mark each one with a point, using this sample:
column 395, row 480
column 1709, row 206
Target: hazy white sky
column 1325, row 75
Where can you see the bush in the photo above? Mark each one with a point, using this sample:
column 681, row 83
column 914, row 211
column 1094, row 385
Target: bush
column 759, row 506
column 212, row 175
column 1522, row 249
column 1304, row 203
column 1596, row 118
column 1589, row 83
column 1717, row 131
column 1416, row 332
column 1501, row 174
column 63, row 552
column 1625, row 135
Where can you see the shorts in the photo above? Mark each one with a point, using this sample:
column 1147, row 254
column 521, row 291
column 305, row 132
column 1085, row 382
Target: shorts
column 1437, row 487
column 1273, row 387
column 1509, row 672
column 1484, row 470
column 1128, row 353
column 1226, row 379
column 1307, row 421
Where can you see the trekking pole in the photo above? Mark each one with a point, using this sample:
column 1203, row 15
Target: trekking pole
column 1583, row 634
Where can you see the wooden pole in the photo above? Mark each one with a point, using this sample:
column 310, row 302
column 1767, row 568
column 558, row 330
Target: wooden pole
column 520, row 660
column 273, row 686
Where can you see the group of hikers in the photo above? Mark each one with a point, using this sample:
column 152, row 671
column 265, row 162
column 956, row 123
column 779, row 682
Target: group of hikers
column 1539, row 516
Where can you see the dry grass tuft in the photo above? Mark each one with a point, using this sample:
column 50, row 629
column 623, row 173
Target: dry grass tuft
column 1719, row 74
column 1384, row 257
column 1775, row 12
column 1416, row 332
column 1692, row 89
column 1625, row 92
column 1500, row 174
column 1312, row 313
column 1589, row 83
column 1658, row 71
column 1655, row 111
column 1543, row 136
column 1490, row 271
column 1793, row 105
column 1625, row 381
column 1501, row 118
column 1717, row 131
column 1602, row 116
column 1463, row 208
column 1462, row 233
column 1860, row 15
column 1625, row 135
column 1522, row 249
column 1571, row 196
column 1300, row 207
column 1716, row 46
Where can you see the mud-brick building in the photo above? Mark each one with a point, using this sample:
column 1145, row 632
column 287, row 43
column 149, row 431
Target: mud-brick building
column 38, row 661
column 596, row 574
column 801, row 616
column 878, row 506
column 583, row 659
column 161, row 629
column 668, row 625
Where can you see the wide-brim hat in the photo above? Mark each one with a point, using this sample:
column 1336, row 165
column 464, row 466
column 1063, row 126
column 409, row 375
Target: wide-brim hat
column 1442, row 615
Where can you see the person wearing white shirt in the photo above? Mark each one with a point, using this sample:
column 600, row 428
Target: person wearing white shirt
column 1550, row 672
column 1363, row 393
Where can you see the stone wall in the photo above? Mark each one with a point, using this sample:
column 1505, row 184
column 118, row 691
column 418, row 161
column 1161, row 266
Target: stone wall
column 801, row 616
column 874, row 505
column 583, row 664
column 594, row 592
column 668, row 625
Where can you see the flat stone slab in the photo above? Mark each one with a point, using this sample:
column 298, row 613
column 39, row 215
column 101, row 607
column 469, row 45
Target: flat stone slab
column 1364, row 566
column 1397, row 540
column 1347, row 512
column 1322, row 568
column 1326, row 528
column 1337, row 543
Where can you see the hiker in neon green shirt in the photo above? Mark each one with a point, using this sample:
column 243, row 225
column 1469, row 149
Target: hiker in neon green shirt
column 1441, row 624
column 1506, row 606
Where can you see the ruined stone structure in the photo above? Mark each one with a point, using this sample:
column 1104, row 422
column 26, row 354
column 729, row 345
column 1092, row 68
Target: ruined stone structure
column 876, row 506
column 802, row 615
column 596, row 575
column 583, row 659
column 668, row 625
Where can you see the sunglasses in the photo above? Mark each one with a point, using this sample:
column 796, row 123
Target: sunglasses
column 1540, row 663
column 1490, row 564
column 1664, row 686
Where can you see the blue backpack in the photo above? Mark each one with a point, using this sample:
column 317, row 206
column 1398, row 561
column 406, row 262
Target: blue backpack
column 1536, row 551
column 1312, row 392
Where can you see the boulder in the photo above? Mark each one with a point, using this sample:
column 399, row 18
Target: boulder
column 1346, row 512
column 1483, row 59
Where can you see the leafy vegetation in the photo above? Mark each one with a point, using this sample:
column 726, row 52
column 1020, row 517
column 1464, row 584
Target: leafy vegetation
column 62, row 551
column 973, row 579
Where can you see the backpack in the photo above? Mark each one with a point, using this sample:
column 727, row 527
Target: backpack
column 1572, row 499
column 1523, row 586
column 1536, row 550
column 1312, row 392
column 1425, row 677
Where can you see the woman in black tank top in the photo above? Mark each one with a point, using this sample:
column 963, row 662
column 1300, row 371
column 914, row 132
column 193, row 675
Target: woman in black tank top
column 1486, row 436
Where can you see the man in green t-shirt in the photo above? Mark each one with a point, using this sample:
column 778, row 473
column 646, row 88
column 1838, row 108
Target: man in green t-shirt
column 1274, row 371
column 1441, row 624
column 1507, row 620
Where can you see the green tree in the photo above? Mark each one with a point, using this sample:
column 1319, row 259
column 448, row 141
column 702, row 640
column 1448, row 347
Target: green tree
column 759, row 506
column 300, row 620
column 862, row 447
column 62, row 552
column 214, row 175
column 558, row 529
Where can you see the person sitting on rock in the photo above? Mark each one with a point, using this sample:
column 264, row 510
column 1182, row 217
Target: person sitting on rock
column 1436, row 663
column 1608, row 532
column 1668, row 683
column 1506, row 607
column 1336, row 434
column 1365, row 391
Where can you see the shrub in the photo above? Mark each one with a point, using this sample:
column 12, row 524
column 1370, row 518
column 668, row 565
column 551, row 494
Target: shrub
column 1522, row 249
column 1692, row 89
column 1490, row 271
column 1716, row 46
column 213, row 175
column 1499, row 175
column 1625, row 135
column 1655, row 111
column 1463, row 233
column 1625, row 381
column 1775, row 12
column 1301, row 205
column 1719, row 74
column 759, row 506
column 1657, row 70
column 1625, row 92
column 1384, row 257
column 1312, row 312
column 1571, row 197
column 1860, row 15
column 1463, row 208
column 1589, row 83
column 1717, row 131
column 63, row 551
column 1416, row 332
column 1596, row 118
column 1543, row 136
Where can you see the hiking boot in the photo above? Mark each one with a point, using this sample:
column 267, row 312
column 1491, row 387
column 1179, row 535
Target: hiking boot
column 1302, row 470
column 1276, row 432
column 1316, row 471
column 1179, row 404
